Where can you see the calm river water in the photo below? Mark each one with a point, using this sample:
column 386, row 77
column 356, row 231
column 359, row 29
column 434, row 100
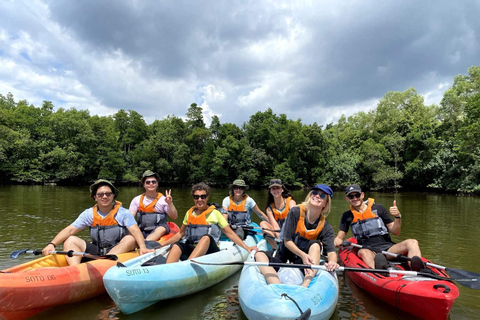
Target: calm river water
column 446, row 227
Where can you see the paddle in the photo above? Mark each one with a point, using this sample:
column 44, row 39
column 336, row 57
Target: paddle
column 259, row 228
column 322, row 267
column 468, row 279
column 71, row 253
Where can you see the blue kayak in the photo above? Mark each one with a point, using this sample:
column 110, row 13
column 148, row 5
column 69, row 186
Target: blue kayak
column 260, row 300
column 140, row 282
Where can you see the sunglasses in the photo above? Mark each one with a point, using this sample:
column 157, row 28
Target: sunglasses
column 354, row 195
column 202, row 196
column 319, row 193
column 151, row 182
column 238, row 187
column 103, row 194
column 275, row 181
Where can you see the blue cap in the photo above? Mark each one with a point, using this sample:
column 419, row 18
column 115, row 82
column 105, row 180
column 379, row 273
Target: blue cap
column 324, row 188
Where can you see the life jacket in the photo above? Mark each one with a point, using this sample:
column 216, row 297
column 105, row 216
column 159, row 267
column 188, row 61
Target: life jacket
column 280, row 216
column 198, row 226
column 237, row 214
column 367, row 224
column 105, row 231
column 147, row 218
column 302, row 235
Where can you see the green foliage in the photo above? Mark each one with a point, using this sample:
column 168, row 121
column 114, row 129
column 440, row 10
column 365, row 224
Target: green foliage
column 402, row 144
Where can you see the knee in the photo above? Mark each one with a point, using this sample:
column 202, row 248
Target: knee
column 204, row 240
column 412, row 243
column 315, row 247
column 264, row 224
column 129, row 240
column 260, row 256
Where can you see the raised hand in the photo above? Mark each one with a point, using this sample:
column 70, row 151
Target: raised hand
column 168, row 196
column 394, row 210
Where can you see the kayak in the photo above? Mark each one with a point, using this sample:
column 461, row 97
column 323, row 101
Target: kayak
column 260, row 300
column 34, row 286
column 421, row 296
column 141, row 282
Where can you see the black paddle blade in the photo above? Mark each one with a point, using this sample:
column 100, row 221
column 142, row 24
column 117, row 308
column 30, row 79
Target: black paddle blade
column 16, row 254
column 465, row 278
column 305, row 315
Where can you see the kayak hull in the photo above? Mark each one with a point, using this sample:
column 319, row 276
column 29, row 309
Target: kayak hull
column 260, row 300
column 134, row 287
column 37, row 285
column 423, row 297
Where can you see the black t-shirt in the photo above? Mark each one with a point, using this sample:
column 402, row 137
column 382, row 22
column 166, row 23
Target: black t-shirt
column 326, row 236
column 378, row 209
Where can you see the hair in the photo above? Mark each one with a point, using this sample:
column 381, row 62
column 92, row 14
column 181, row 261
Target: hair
column 325, row 210
column 285, row 194
column 200, row 186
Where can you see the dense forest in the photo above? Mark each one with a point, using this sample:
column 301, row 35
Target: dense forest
column 403, row 144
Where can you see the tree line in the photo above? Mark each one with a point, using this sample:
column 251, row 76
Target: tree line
column 402, row 144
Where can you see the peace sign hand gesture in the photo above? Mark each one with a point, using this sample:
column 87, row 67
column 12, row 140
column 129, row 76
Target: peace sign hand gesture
column 168, row 196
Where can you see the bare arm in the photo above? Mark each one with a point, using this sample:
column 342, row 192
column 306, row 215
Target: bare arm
column 60, row 238
column 260, row 213
column 179, row 235
column 137, row 234
column 339, row 238
column 236, row 239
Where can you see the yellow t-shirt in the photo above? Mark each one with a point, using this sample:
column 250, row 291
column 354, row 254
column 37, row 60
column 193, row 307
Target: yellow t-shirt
column 214, row 217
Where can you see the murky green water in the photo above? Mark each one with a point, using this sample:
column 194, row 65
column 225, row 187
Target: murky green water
column 446, row 227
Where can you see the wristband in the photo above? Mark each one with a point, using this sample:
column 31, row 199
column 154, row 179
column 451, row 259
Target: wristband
column 54, row 245
column 398, row 217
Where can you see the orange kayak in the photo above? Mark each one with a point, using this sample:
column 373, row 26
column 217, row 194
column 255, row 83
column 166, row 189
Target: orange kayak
column 37, row 285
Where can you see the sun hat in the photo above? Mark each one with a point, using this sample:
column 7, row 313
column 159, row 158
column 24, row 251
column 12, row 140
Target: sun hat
column 149, row 173
column 239, row 183
column 352, row 188
column 324, row 188
column 99, row 183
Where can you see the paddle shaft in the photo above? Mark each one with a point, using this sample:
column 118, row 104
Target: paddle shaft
column 70, row 253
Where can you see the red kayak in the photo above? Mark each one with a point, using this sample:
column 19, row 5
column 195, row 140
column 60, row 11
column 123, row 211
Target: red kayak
column 420, row 295
column 39, row 284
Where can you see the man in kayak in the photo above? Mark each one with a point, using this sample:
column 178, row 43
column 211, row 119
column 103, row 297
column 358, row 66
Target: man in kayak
column 371, row 226
column 201, row 229
column 113, row 229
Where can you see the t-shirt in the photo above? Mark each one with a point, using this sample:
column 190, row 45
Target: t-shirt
column 214, row 217
column 326, row 236
column 378, row 209
column 161, row 206
column 85, row 219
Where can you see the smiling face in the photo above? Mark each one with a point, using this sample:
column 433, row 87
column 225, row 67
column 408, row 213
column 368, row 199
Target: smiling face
column 355, row 199
column 200, row 197
column 238, row 191
column 104, row 196
column 276, row 191
column 150, row 183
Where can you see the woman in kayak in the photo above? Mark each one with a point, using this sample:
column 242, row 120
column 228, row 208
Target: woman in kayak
column 279, row 202
column 152, row 209
column 306, row 233
column 201, row 229
column 239, row 207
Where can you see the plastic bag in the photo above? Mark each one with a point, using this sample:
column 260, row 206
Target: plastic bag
column 290, row 276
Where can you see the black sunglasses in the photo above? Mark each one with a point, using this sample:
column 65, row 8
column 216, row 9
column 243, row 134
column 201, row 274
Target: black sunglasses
column 276, row 181
column 316, row 192
column 151, row 181
column 354, row 195
column 196, row 196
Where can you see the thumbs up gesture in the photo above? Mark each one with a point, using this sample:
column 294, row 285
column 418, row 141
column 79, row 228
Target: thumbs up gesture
column 394, row 210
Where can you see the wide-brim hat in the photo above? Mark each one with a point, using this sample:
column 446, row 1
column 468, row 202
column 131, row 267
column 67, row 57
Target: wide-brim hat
column 324, row 188
column 149, row 173
column 239, row 183
column 102, row 182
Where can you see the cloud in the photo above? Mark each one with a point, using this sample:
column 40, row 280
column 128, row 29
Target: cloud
column 313, row 60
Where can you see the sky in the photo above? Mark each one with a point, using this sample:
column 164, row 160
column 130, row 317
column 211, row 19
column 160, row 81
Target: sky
column 310, row 60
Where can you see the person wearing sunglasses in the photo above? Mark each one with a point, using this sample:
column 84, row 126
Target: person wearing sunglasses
column 113, row 229
column 201, row 229
column 152, row 209
column 239, row 206
column 306, row 235
column 279, row 202
column 371, row 225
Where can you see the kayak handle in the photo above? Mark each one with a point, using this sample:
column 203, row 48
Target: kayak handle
column 447, row 288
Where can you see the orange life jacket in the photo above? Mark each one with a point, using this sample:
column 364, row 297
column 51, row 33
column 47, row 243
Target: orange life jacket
column 198, row 226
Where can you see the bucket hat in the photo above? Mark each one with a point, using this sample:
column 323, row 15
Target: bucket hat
column 102, row 182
